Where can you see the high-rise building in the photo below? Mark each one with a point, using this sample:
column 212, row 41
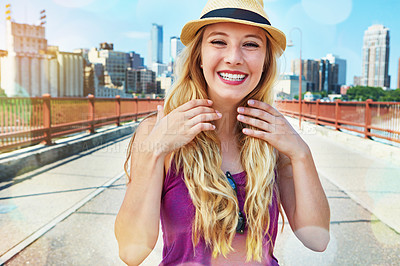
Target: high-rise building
column 115, row 64
column 375, row 66
column 320, row 75
column 156, row 44
column 176, row 47
column 141, row 81
column 341, row 63
column 135, row 61
column 32, row 68
column 310, row 72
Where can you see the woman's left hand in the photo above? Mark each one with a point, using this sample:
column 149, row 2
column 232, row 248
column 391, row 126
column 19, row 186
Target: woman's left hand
column 272, row 127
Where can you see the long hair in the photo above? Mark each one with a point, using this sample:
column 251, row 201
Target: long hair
column 216, row 206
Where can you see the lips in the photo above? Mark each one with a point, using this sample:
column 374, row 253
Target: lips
column 232, row 76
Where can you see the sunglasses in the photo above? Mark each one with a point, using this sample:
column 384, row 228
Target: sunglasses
column 241, row 223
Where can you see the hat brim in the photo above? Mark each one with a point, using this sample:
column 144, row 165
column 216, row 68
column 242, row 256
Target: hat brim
column 192, row 27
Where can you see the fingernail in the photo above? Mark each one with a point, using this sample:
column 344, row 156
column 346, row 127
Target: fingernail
column 218, row 113
column 251, row 102
column 240, row 117
column 158, row 107
column 209, row 101
column 240, row 109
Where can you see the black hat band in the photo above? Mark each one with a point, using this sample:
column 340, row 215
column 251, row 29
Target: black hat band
column 237, row 13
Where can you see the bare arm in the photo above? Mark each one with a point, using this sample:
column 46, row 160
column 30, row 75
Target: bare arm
column 302, row 195
column 136, row 225
column 137, row 222
column 304, row 200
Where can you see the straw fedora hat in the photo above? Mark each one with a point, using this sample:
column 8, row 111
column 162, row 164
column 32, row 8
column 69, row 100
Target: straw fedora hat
column 249, row 12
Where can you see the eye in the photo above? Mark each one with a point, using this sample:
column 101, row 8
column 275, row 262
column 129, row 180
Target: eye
column 252, row 44
column 218, row 42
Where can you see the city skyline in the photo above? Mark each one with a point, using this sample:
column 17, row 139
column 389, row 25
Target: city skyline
column 327, row 27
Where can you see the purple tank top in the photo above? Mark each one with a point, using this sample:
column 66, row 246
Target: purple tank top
column 177, row 214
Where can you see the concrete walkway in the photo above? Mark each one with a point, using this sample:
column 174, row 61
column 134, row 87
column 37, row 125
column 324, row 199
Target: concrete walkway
column 33, row 203
column 368, row 171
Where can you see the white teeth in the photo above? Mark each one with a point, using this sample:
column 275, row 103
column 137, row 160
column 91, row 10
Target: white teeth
column 232, row 77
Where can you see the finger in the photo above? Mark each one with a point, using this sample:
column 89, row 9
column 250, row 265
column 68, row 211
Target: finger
column 194, row 103
column 264, row 106
column 260, row 124
column 204, row 118
column 160, row 112
column 201, row 127
column 257, row 134
column 199, row 110
column 257, row 113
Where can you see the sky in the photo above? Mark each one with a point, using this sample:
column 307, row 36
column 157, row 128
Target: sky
column 327, row 26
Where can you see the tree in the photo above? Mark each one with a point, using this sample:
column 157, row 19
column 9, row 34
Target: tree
column 2, row 93
column 391, row 96
column 360, row 93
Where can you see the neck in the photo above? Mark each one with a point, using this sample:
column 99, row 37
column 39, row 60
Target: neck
column 227, row 124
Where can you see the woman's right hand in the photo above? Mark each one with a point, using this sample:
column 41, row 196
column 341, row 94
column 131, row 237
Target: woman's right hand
column 181, row 125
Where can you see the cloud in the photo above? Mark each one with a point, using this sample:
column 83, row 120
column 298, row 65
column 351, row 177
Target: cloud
column 137, row 35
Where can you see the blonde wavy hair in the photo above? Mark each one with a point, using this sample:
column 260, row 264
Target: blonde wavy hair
column 214, row 200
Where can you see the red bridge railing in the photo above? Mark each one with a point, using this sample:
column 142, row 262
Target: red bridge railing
column 371, row 119
column 28, row 121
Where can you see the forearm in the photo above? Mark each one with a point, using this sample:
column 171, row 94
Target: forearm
column 136, row 225
column 311, row 207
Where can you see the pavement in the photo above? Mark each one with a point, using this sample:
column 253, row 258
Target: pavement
column 64, row 213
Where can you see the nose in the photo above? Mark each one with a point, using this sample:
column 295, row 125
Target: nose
column 234, row 56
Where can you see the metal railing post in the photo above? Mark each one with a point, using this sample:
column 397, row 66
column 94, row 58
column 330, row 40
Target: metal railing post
column 367, row 118
column 47, row 118
column 91, row 114
column 337, row 113
column 118, row 109
column 137, row 108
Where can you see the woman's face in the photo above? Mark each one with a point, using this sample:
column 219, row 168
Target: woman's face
column 232, row 57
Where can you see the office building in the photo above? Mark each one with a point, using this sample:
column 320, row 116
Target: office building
column 320, row 75
column 342, row 67
column 287, row 86
column 32, row 68
column 115, row 64
column 141, row 81
column 176, row 48
column 375, row 65
column 156, row 44
column 135, row 61
column 310, row 72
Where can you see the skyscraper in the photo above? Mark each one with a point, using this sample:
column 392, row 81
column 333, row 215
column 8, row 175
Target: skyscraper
column 375, row 66
column 176, row 48
column 156, row 44
column 320, row 74
column 341, row 63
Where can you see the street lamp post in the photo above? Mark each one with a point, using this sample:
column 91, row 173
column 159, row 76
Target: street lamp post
column 290, row 44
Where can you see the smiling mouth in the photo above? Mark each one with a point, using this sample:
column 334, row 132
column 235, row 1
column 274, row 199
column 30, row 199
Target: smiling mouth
column 232, row 77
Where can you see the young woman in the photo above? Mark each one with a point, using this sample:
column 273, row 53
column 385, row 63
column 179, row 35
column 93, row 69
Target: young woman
column 218, row 160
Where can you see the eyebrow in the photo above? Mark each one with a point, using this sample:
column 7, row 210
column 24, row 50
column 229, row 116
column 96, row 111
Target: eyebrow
column 224, row 34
